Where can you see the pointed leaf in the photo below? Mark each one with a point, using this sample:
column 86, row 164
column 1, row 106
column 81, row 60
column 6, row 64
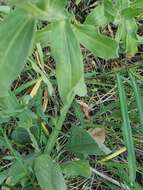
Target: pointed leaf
column 138, row 97
column 49, row 174
column 131, row 37
column 127, row 131
column 76, row 168
column 102, row 46
column 16, row 37
column 81, row 141
column 69, row 65
column 97, row 17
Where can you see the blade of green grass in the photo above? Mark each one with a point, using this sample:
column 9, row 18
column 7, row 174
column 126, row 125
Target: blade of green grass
column 138, row 97
column 127, row 131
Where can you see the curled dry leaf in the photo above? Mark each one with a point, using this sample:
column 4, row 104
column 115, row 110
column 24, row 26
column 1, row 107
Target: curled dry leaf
column 98, row 134
column 36, row 88
column 85, row 108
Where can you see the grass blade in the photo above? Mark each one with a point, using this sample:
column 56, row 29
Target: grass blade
column 138, row 97
column 127, row 131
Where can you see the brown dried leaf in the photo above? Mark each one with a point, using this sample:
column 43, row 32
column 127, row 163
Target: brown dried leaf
column 35, row 88
column 85, row 108
column 98, row 134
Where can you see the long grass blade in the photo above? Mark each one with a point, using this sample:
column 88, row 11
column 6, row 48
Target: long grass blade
column 138, row 97
column 127, row 131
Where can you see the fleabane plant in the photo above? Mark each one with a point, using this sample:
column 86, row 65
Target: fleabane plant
column 65, row 38
column 18, row 37
column 19, row 34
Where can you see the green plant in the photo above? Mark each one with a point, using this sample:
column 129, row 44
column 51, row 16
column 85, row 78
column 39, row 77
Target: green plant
column 19, row 35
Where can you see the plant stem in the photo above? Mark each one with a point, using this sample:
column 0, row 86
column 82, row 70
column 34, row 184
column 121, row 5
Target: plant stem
column 55, row 133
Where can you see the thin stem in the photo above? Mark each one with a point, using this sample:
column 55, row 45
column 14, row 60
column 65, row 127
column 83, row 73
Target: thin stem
column 55, row 133
column 115, row 182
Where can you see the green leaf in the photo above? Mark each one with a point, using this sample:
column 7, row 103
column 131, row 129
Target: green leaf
column 54, row 9
column 69, row 65
column 76, row 168
column 137, row 4
column 127, row 33
column 97, row 17
column 16, row 173
column 43, row 76
column 17, row 2
column 131, row 12
column 81, row 141
column 138, row 97
column 20, row 135
column 9, row 107
column 109, row 10
column 43, row 36
column 100, row 45
column 131, row 37
column 122, row 4
column 14, row 47
column 52, row 5
column 49, row 174
column 127, row 131
column 3, row 176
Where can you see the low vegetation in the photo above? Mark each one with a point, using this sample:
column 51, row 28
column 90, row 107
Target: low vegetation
column 71, row 101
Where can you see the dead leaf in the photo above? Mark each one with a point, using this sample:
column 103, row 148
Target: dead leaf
column 36, row 88
column 98, row 134
column 85, row 108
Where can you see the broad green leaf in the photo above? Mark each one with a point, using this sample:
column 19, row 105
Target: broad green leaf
column 48, row 173
column 9, row 107
column 137, row 4
column 131, row 12
column 127, row 33
column 127, row 131
column 3, row 176
column 54, row 9
column 122, row 4
column 97, row 17
column 20, row 135
column 17, row 2
column 20, row 170
column 47, row 10
column 109, row 10
column 52, row 4
column 121, row 32
column 69, row 66
column 81, row 141
column 16, row 173
column 101, row 45
column 3, row 144
column 76, row 168
column 127, row 27
column 131, row 37
column 16, row 38
column 9, row 102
